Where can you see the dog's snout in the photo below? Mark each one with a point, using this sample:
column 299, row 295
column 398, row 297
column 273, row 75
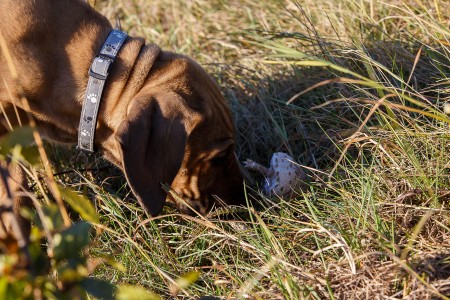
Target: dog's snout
column 190, row 206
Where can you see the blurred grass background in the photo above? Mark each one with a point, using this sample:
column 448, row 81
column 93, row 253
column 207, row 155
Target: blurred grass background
column 367, row 82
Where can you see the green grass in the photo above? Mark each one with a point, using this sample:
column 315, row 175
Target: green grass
column 373, row 221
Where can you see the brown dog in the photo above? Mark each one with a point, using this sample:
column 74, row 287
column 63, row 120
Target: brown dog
column 162, row 119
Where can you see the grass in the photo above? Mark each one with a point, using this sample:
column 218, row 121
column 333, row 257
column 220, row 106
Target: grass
column 367, row 81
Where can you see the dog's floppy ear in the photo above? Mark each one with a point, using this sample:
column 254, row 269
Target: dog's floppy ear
column 152, row 150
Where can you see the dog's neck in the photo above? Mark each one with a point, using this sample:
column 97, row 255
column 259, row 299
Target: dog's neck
column 52, row 55
column 127, row 77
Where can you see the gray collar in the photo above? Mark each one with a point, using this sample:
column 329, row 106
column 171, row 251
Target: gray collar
column 98, row 74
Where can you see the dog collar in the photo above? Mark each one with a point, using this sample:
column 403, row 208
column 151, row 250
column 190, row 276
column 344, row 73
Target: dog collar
column 98, row 74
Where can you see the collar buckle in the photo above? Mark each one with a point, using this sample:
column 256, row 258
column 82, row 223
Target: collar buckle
column 98, row 69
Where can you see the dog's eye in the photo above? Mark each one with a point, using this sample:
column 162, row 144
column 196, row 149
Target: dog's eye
column 218, row 160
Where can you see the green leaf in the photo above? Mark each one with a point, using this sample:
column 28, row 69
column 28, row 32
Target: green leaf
column 98, row 288
column 80, row 204
column 22, row 136
column 184, row 281
column 129, row 292
column 20, row 142
column 70, row 242
column 12, row 290
column 3, row 287
column 52, row 219
column 70, row 274
column 31, row 155
column 40, row 260
column 110, row 261
column 187, row 279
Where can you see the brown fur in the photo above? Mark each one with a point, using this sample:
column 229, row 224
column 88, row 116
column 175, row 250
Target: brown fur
column 162, row 118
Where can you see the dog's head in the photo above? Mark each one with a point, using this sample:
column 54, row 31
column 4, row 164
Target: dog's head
column 179, row 131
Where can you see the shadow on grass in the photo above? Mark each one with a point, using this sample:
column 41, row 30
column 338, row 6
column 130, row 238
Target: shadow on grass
column 434, row 267
column 309, row 130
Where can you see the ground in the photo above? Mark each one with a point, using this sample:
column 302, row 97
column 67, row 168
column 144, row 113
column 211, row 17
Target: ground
column 354, row 91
